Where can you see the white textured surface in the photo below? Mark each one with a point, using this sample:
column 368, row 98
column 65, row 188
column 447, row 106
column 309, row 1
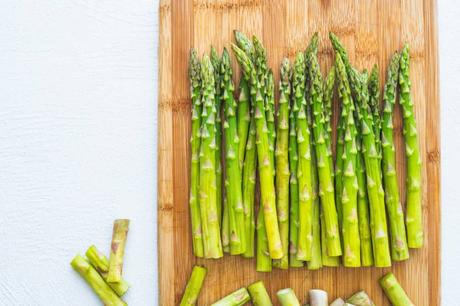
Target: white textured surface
column 78, row 90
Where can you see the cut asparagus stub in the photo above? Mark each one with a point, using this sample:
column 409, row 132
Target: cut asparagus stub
column 259, row 294
column 207, row 187
column 287, row 297
column 414, row 222
column 237, row 298
column 360, row 298
column 95, row 281
column 394, row 291
column 117, row 250
column 195, row 92
column 318, row 297
column 101, row 264
column 263, row 260
column 233, row 172
column 338, row 302
column 194, row 285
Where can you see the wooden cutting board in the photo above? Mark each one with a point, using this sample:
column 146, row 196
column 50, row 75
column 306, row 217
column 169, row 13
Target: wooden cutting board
column 371, row 30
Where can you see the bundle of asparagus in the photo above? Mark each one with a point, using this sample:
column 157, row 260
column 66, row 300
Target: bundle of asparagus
column 312, row 210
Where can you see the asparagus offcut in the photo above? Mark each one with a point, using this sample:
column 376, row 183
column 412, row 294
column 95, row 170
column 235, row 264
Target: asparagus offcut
column 194, row 285
column 195, row 92
column 398, row 240
column 207, row 187
column 267, row 186
column 318, row 297
column 117, row 250
column 96, row 282
column 101, row 264
column 394, row 291
column 259, row 294
column 282, row 163
column 305, row 235
column 237, row 298
column 414, row 222
column 233, row 173
column 287, row 297
column 360, row 298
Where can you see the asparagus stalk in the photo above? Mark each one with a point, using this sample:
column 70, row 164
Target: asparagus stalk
column 304, row 171
column 225, row 230
column 414, row 223
column 101, row 264
column 245, row 44
column 350, row 227
column 195, row 92
column 287, row 297
column 194, row 285
column 263, row 260
column 237, row 298
column 259, row 294
column 267, row 186
column 117, row 250
column 326, row 181
column 216, row 63
column 374, row 103
column 328, row 261
column 399, row 249
column 249, row 186
column 233, row 173
column 318, row 297
column 282, row 163
column 270, row 113
column 244, row 118
column 371, row 160
column 338, row 167
column 293, row 191
column 95, row 281
column 394, row 291
column 360, row 298
column 328, row 95
column 208, row 207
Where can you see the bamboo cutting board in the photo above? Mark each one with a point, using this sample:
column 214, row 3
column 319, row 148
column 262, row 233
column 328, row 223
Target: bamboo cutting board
column 371, row 30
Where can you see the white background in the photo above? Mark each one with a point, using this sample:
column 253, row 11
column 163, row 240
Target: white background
column 78, row 96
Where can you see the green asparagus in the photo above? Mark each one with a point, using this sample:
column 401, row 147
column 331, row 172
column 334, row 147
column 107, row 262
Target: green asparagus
column 287, row 297
column 195, row 92
column 259, row 294
column 373, row 85
column 208, row 207
column 282, row 163
column 237, row 298
column 244, row 118
column 399, row 248
column 360, row 298
column 394, row 291
column 117, row 250
column 414, row 222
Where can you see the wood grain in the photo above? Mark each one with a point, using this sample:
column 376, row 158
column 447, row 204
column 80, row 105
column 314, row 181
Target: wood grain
column 371, row 31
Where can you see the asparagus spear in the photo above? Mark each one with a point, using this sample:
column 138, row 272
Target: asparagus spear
column 360, row 298
column 350, row 227
column 304, row 167
column 117, row 250
column 245, row 44
column 282, row 163
column 95, row 281
column 270, row 113
column 195, row 92
column 328, row 261
column 394, row 291
column 326, row 187
column 338, row 302
column 267, row 186
column 249, row 186
column 208, row 207
column 237, row 298
column 399, row 249
column 233, row 173
column 259, row 294
column 414, row 223
column 101, row 264
column 328, row 95
column 338, row 167
column 263, row 260
column 287, row 297
column 371, row 160
column 374, row 103
column 244, row 118
column 192, row 291
column 293, row 190
column 216, row 62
